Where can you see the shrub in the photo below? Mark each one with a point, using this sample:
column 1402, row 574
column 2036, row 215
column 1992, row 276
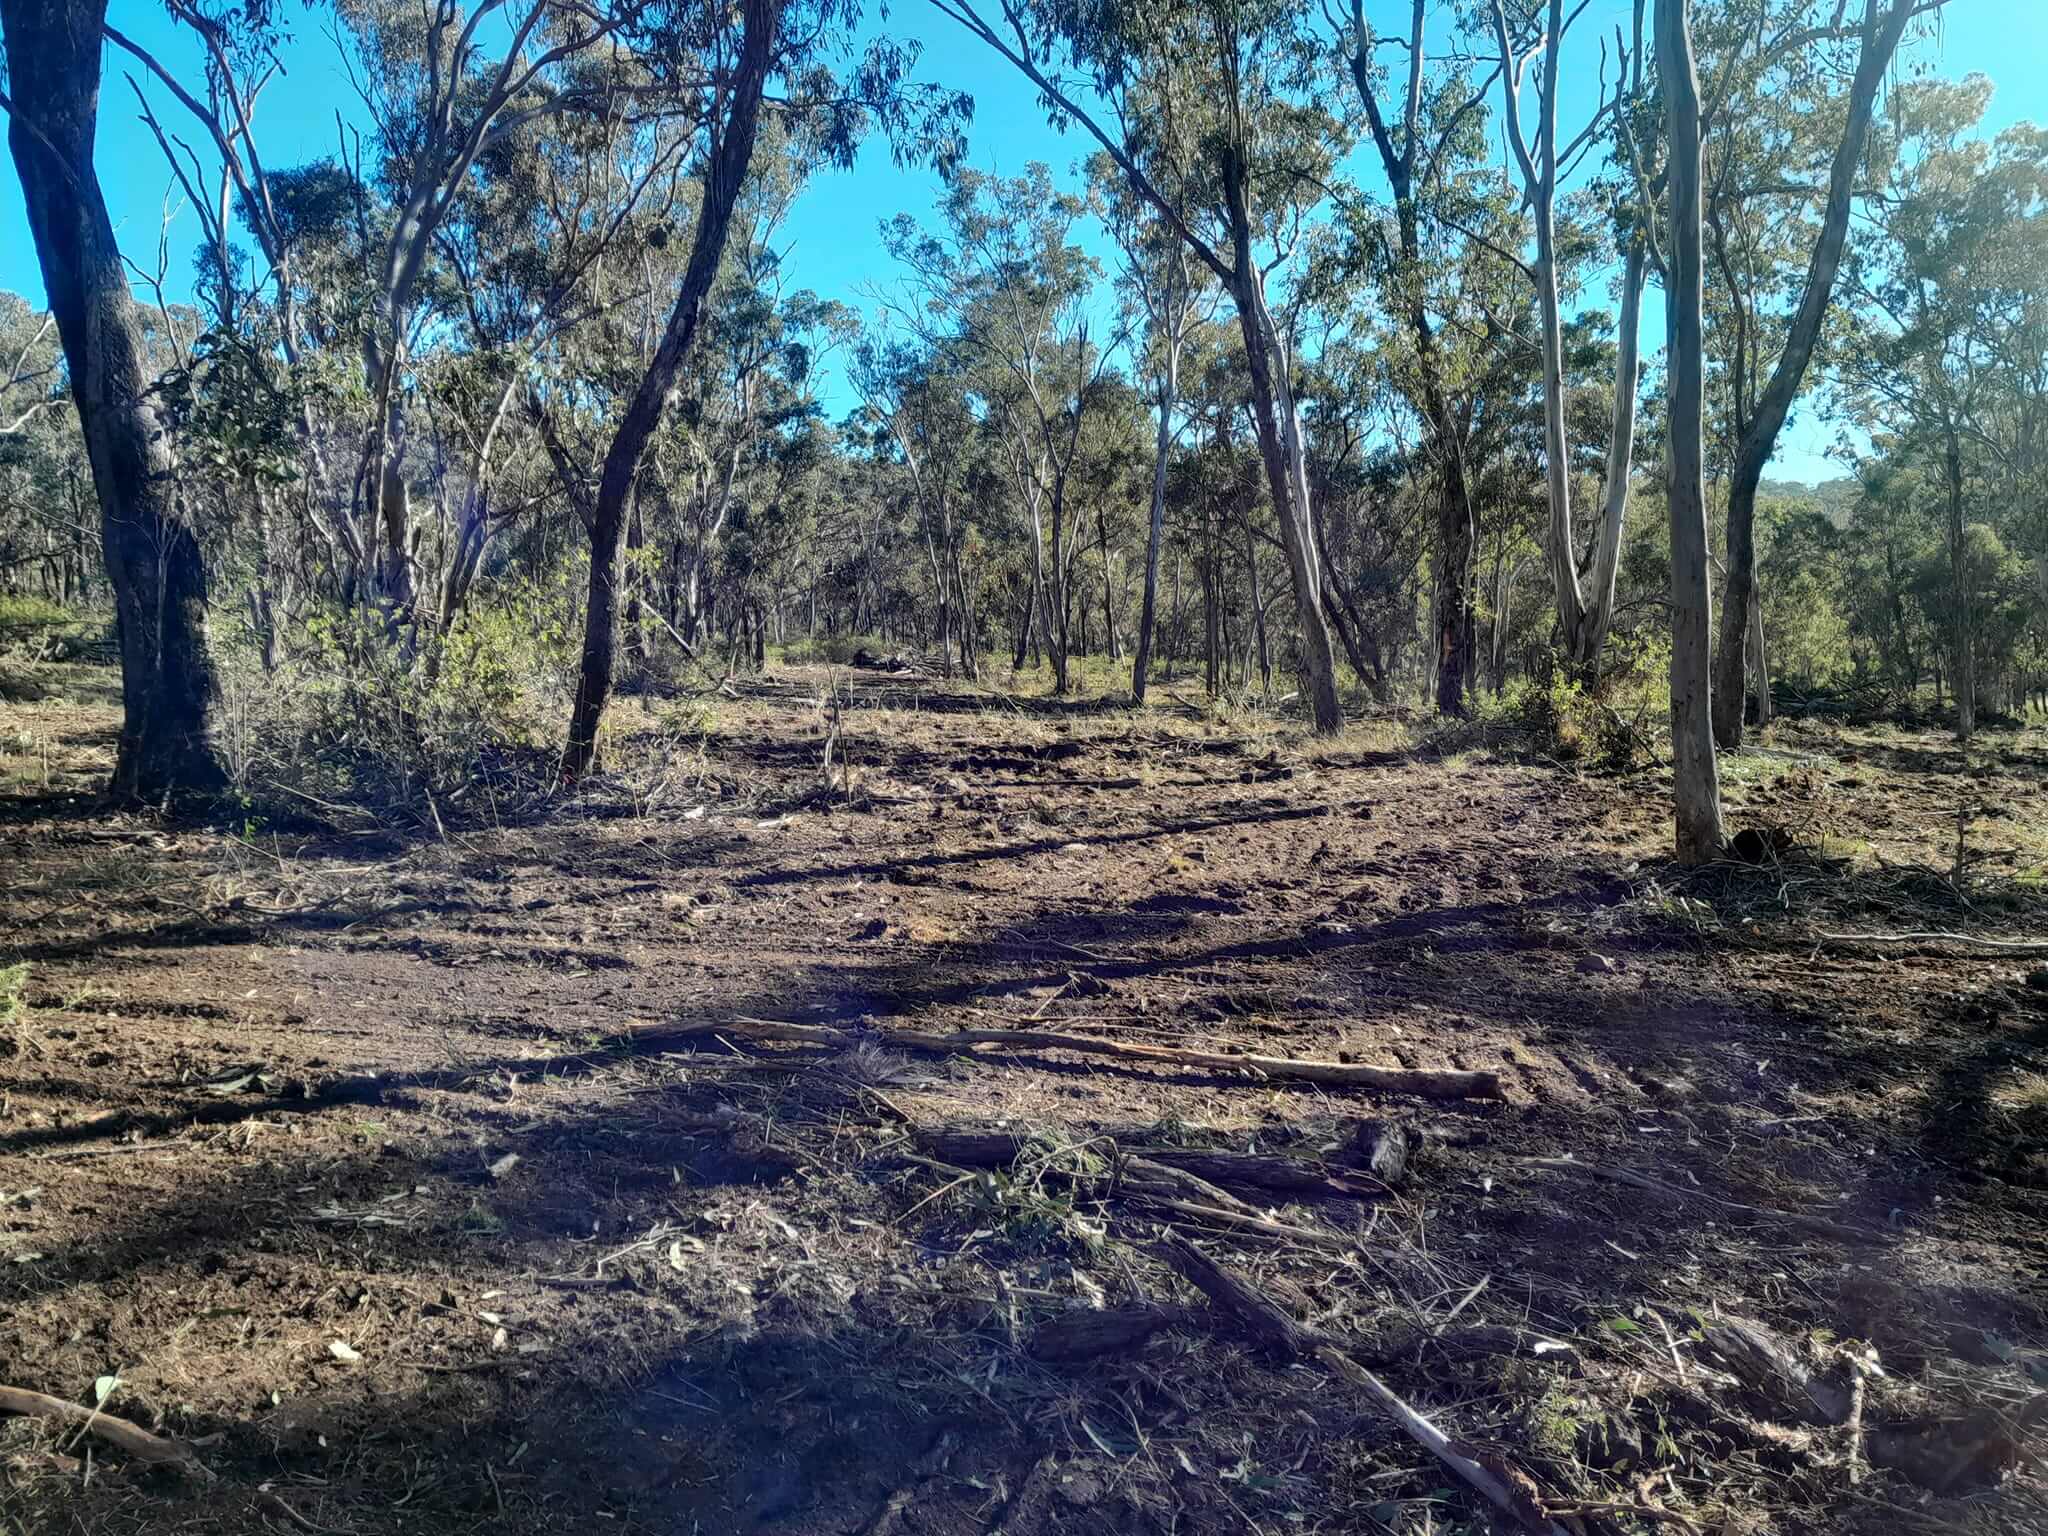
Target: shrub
column 831, row 650
column 358, row 715
column 1609, row 723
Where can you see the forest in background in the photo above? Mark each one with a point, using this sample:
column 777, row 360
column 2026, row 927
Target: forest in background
column 508, row 403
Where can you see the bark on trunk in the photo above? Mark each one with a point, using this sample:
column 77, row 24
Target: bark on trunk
column 1280, row 448
column 724, row 175
column 1965, row 665
column 169, row 686
column 1695, row 780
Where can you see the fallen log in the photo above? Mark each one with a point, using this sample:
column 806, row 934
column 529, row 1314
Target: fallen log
column 1142, row 1179
column 1277, row 1175
column 1507, row 1489
column 1430, row 1082
column 1082, row 1333
column 980, row 1148
column 137, row 1442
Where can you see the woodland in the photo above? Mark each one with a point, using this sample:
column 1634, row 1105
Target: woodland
column 1231, row 856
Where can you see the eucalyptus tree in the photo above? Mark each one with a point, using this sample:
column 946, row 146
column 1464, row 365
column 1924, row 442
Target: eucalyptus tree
column 168, row 744
column 443, row 87
column 1796, row 85
column 1695, row 772
column 1004, row 286
column 1241, row 84
column 915, row 394
column 792, row 41
column 1946, row 278
column 548, row 260
column 1438, row 112
column 43, row 532
column 1161, row 281
column 1529, row 31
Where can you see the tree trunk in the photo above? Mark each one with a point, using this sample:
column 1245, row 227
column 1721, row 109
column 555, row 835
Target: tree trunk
column 1279, row 447
column 169, row 687
column 1965, row 665
column 636, row 579
column 1696, row 787
column 1169, row 390
column 724, row 175
column 1760, row 663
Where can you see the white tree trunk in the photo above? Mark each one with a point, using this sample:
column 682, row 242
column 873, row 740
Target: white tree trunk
column 1695, row 777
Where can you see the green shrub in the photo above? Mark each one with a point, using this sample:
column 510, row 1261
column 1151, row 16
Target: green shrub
column 1608, row 723
column 359, row 715
column 21, row 613
column 831, row 650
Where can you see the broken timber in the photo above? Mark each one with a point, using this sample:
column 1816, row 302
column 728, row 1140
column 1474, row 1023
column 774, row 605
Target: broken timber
column 1440, row 1083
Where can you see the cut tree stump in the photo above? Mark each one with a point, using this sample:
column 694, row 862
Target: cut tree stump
column 1766, row 1365
column 1382, row 1148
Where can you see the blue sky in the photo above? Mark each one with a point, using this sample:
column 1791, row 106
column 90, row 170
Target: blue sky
column 835, row 247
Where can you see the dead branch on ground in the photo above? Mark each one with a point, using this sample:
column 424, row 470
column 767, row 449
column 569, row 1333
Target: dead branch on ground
column 1430, row 1082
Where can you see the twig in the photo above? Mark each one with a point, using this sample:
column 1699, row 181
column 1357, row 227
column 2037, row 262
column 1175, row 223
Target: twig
column 79, row 1154
column 1670, row 1343
column 1491, row 1479
column 2007, row 946
column 1858, row 1462
column 137, row 1442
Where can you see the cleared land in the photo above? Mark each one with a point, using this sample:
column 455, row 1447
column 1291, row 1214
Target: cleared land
column 447, row 1181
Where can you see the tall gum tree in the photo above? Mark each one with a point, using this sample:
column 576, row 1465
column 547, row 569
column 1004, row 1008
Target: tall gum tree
column 1695, row 773
column 776, row 39
column 1244, row 82
column 168, row 745
column 1772, row 42
column 1585, row 593
column 1409, row 155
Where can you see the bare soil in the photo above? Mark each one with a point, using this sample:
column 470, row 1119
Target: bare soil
column 394, row 1172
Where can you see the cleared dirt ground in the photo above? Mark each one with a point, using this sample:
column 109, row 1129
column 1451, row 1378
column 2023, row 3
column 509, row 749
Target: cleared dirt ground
column 397, row 1174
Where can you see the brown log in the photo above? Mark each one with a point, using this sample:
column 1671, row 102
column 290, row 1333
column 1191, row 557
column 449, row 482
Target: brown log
column 973, row 1148
column 139, row 1443
column 1082, row 1333
column 1430, row 1082
column 1254, row 1313
column 1142, row 1178
column 1504, row 1487
column 1279, row 1175
column 969, row 1147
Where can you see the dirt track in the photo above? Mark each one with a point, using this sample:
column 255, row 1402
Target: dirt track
column 264, row 1093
